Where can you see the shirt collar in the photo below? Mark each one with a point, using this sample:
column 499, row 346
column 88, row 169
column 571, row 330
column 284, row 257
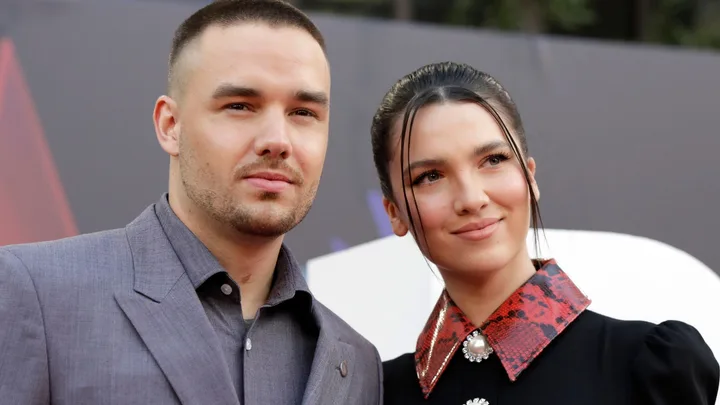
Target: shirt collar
column 200, row 264
column 517, row 331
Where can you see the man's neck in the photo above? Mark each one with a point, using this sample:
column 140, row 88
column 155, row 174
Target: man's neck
column 249, row 260
column 479, row 297
column 251, row 263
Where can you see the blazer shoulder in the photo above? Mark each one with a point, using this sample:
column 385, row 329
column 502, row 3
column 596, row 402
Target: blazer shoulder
column 75, row 254
column 89, row 249
column 68, row 245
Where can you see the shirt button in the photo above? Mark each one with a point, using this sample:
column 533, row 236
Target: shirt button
column 248, row 344
column 226, row 289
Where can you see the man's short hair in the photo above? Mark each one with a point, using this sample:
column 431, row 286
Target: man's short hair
column 276, row 13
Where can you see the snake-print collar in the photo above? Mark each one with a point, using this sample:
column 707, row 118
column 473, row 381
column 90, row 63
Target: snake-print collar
column 517, row 331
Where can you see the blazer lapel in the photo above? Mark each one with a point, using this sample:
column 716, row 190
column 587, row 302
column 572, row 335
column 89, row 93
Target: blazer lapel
column 332, row 370
column 167, row 314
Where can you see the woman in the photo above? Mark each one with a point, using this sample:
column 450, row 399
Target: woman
column 451, row 154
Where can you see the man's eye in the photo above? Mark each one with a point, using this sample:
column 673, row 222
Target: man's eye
column 305, row 113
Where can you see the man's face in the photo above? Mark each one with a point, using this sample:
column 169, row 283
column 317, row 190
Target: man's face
column 252, row 125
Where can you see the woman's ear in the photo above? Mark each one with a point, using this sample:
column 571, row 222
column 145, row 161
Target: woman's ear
column 531, row 166
column 399, row 226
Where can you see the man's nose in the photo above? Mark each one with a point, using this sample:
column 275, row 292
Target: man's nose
column 273, row 139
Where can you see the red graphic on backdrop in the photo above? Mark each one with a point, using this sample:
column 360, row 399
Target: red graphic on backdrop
column 33, row 206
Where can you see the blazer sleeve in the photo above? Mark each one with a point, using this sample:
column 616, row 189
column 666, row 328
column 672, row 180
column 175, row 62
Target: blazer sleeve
column 674, row 365
column 24, row 374
column 380, row 395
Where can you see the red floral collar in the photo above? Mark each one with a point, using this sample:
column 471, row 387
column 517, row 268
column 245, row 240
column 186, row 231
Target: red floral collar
column 517, row 331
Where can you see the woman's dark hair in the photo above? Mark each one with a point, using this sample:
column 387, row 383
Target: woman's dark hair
column 435, row 84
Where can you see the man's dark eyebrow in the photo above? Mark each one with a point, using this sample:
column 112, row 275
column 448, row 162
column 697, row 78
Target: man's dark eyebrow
column 315, row 97
column 230, row 90
column 227, row 90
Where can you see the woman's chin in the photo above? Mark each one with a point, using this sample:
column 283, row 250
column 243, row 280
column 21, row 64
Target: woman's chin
column 479, row 264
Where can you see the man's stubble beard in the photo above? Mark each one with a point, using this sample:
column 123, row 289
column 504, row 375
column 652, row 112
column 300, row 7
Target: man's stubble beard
column 243, row 218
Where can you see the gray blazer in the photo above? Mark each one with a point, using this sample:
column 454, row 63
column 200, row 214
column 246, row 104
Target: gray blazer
column 112, row 318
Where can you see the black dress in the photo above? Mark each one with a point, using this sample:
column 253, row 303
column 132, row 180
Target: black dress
column 549, row 350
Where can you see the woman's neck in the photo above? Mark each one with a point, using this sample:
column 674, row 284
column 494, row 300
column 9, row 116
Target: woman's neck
column 478, row 297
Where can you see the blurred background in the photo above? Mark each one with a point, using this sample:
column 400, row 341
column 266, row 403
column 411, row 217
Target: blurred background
column 688, row 23
column 619, row 98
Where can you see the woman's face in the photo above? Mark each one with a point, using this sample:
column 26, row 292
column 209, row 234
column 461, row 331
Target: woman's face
column 469, row 188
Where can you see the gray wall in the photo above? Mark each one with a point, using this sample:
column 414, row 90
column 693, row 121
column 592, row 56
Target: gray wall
column 626, row 137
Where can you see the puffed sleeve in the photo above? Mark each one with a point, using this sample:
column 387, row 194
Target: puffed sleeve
column 675, row 366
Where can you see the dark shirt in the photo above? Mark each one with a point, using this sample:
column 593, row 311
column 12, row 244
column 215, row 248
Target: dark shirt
column 277, row 346
column 549, row 350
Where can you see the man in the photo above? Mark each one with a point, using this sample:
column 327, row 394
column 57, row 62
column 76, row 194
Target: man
column 197, row 301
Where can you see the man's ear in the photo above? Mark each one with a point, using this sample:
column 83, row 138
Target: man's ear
column 166, row 124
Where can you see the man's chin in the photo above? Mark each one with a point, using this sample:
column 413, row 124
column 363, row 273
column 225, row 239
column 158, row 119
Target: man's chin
column 265, row 221
column 269, row 229
column 268, row 208
column 267, row 196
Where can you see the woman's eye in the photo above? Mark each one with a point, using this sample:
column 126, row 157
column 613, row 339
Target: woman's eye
column 432, row 177
column 427, row 177
column 495, row 160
